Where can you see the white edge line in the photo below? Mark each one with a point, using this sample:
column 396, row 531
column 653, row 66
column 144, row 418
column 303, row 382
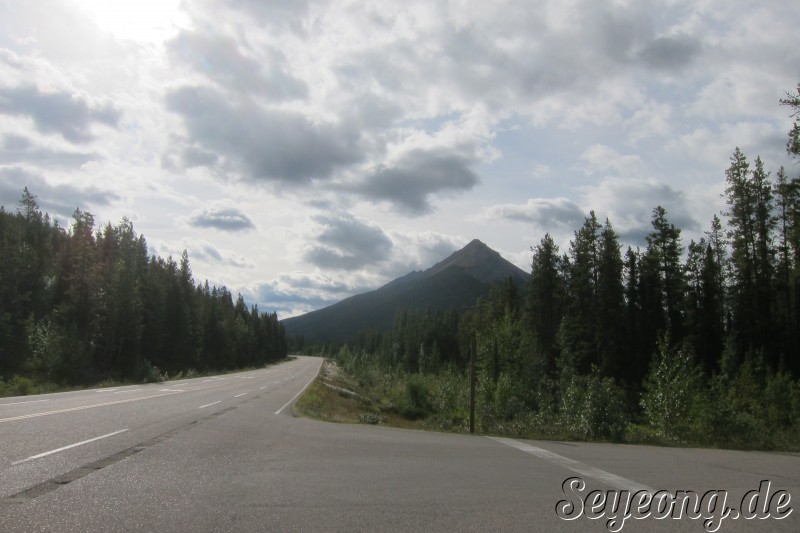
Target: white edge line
column 576, row 466
column 210, row 404
column 299, row 393
column 20, row 403
column 39, row 456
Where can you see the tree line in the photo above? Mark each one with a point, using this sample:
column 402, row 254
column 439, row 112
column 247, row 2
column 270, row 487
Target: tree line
column 87, row 304
column 699, row 341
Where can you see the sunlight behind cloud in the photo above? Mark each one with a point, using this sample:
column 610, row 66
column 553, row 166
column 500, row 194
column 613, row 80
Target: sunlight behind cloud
column 135, row 20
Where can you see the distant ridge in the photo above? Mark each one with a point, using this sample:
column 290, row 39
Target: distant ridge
column 454, row 283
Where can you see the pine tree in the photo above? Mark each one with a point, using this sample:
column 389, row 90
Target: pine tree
column 83, row 306
column 544, row 303
column 663, row 259
column 705, row 333
column 578, row 330
column 793, row 101
column 610, row 335
column 749, row 197
column 638, row 351
column 719, row 244
column 787, row 270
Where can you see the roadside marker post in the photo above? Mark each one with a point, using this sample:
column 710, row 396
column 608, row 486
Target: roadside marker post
column 472, row 344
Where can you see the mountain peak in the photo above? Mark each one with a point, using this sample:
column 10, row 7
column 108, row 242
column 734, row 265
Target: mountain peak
column 476, row 243
column 454, row 283
column 480, row 262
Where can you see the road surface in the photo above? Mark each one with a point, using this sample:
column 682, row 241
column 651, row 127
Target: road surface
column 225, row 453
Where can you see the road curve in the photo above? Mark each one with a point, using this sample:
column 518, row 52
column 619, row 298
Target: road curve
column 226, row 454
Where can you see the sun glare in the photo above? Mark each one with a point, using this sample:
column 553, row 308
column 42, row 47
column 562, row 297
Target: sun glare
column 137, row 20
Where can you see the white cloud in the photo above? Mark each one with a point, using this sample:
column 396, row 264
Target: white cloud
column 603, row 161
column 359, row 139
column 628, row 203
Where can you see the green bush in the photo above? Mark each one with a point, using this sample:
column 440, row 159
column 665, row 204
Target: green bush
column 593, row 407
column 500, row 403
column 670, row 390
column 149, row 373
column 449, row 398
column 415, row 403
column 18, row 386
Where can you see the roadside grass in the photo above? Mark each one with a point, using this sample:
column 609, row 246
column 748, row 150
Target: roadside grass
column 372, row 395
column 336, row 397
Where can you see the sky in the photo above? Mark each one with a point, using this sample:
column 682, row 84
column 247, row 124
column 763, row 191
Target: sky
column 303, row 151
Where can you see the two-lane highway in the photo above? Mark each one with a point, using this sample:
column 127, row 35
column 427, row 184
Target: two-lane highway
column 221, row 454
column 44, row 437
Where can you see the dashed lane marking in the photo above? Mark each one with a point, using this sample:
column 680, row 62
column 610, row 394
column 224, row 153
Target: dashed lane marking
column 51, row 452
column 20, row 403
column 82, row 407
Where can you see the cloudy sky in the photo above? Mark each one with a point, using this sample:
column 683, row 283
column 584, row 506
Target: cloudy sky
column 305, row 150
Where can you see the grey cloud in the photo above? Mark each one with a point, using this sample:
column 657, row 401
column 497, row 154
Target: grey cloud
column 287, row 302
column 600, row 42
column 617, row 30
column 57, row 112
column 432, row 251
column 19, row 149
column 61, row 200
column 192, row 157
column 263, row 144
column 287, row 14
column 544, row 212
column 670, row 52
column 294, row 288
column 418, row 251
column 275, row 297
column 296, row 293
column 221, row 60
column 409, row 183
column 570, row 57
column 629, row 206
column 221, row 218
column 344, row 243
column 16, row 142
column 302, row 281
column 205, row 251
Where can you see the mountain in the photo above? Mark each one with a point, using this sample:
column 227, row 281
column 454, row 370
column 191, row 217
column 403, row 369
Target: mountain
column 456, row 282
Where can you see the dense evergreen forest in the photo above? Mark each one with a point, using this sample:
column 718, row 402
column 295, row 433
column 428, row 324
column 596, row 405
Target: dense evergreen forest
column 696, row 342
column 88, row 304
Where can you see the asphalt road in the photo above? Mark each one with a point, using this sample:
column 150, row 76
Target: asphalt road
column 226, row 454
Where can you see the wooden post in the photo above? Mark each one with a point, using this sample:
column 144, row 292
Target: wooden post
column 472, row 348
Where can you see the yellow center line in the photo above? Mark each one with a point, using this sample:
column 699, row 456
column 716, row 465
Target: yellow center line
column 106, row 404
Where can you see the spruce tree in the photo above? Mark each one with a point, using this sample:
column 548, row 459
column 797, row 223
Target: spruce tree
column 544, row 303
